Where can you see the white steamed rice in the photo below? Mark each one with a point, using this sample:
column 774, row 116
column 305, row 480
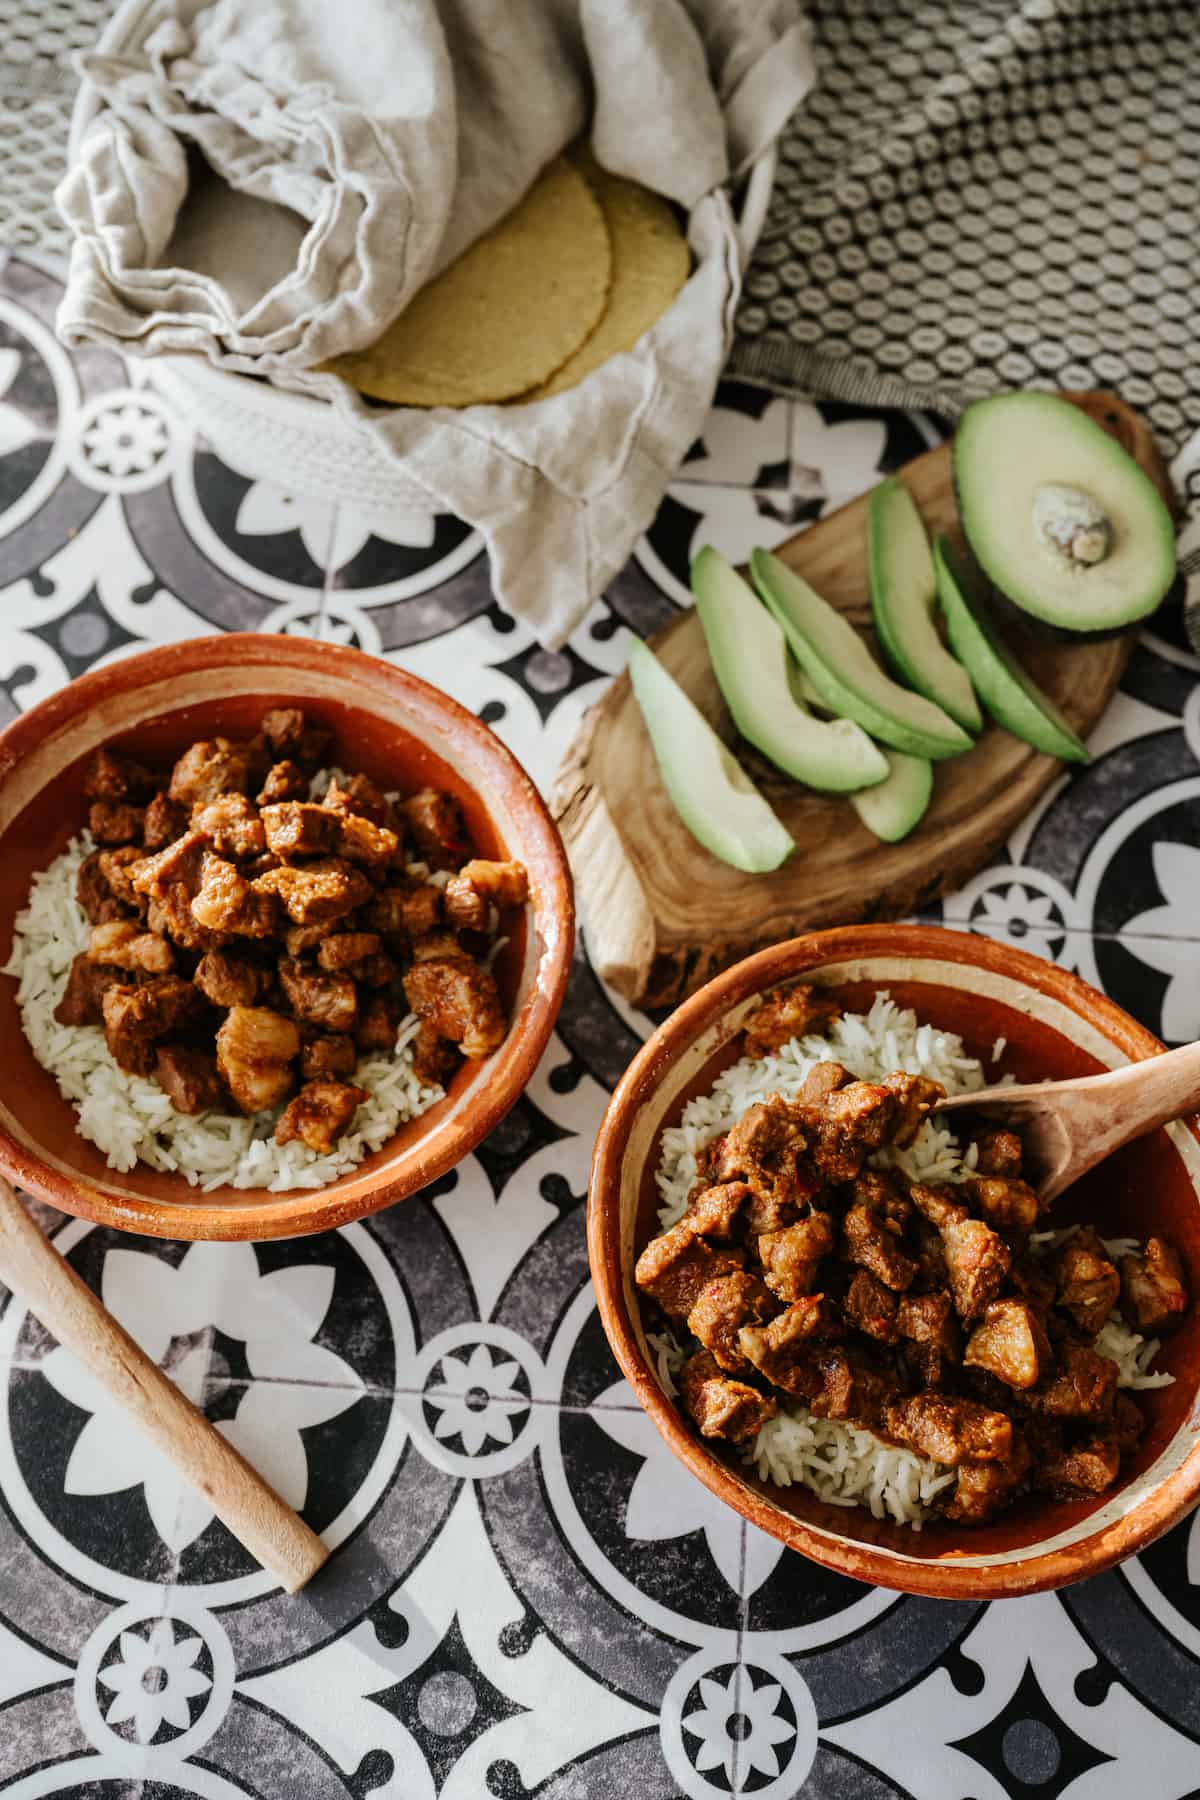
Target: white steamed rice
column 841, row 1463
column 129, row 1117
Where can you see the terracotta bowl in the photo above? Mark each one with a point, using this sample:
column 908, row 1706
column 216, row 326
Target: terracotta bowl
column 1055, row 1026
column 401, row 732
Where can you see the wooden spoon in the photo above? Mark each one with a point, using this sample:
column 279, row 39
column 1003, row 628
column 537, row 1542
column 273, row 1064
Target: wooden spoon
column 1067, row 1127
column 67, row 1307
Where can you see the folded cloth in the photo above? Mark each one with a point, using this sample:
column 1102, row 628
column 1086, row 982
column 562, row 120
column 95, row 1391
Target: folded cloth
column 399, row 131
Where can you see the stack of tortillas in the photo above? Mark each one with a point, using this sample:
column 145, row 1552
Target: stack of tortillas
column 577, row 272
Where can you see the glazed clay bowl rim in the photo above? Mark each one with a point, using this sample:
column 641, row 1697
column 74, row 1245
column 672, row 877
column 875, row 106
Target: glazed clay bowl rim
column 269, row 660
column 696, row 1030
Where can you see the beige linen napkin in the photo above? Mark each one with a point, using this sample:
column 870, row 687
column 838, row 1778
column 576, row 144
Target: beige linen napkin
column 397, row 131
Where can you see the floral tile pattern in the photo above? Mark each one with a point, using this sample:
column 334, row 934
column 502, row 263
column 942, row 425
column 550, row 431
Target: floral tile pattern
column 529, row 1596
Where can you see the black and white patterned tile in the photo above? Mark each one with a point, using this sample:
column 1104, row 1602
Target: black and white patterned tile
column 529, row 1596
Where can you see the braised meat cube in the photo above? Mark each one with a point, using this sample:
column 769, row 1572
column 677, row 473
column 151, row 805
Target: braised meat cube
column 188, row 1078
column 874, row 1244
column 723, row 1308
column 983, row 1489
column 401, row 913
column 1154, row 1290
column 1128, row 1422
column 998, row 1152
column 316, row 893
column 179, row 862
column 780, row 1349
column 930, row 1254
column 172, row 917
column 434, row 1060
column 435, row 823
column 788, row 1013
column 327, row 1057
column 255, row 1052
column 165, row 820
column 1009, row 1343
column 94, row 893
column 285, row 780
column 823, row 1079
column 851, row 1386
column 791, row 1258
column 319, row 1114
column 1080, row 1387
column 83, row 995
column 1005, row 1201
column 111, row 776
column 676, row 1267
column 359, row 794
column 950, row 1431
column 460, row 999
column 883, row 1194
column 721, row 1407
column 479, row 886
column 345, row 952
column 1087, row 1283
column 298, row 828
column 1088, row 1467
column 115, row 822
column 122, row 944
column 929, row 1328
column 761, row 1150
column 378, row 971
column 977, row 1261
column 360, row 840
column 136, row 1018
column 116, row 867
column 225, row 901
column 290, row 736
column 211, row 767
column 231, row 825
column 380, row 1016
column 229, row 979
column 330, row 1001
column 716, row 1211
column 871, row 1308
column 916, row 1097
column 853, row 1122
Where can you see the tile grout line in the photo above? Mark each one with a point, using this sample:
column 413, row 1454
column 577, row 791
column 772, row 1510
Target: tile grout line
column 739, row 1671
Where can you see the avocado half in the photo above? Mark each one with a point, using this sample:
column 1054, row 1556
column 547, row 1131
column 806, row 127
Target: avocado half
column 1061, row 520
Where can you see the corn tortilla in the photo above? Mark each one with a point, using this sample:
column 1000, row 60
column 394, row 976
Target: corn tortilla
column 650, row 263
column 506, row 314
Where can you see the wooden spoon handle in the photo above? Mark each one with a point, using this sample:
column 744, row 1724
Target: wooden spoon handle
column 1144, row 1095
column 67, row 1307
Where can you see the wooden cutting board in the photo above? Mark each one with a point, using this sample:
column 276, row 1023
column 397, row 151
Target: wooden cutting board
column 662, row 915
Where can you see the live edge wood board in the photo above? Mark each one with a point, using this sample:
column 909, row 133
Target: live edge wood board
column 662, row 916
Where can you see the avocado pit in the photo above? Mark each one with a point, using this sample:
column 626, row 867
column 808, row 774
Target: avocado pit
column 1071, row 524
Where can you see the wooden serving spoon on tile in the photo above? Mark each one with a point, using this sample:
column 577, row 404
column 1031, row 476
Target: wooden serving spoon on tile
column 1067, row 1127
column 67, row 1307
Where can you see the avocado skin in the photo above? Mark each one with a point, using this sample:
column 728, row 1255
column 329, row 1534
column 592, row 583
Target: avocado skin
column 1009, row 613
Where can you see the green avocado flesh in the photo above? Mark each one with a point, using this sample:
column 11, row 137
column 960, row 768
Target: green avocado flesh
column 750, row 659
column 1012, row 456
column 903, row 602
column 716, row 800
column 892, row 809
column 840, row 666
column 1012, row 698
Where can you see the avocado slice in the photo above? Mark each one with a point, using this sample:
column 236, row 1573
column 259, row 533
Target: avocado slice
column 716, row 800
column 1059, row 518
column 845, row 674
column 892, row 809
column 1010, row 695
column 904, row 603
column 750, row 659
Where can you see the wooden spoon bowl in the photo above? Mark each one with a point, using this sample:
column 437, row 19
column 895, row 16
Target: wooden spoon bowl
column 1054, row 1027
column 404, row 734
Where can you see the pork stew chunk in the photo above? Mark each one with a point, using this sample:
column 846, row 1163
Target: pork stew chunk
column 807, row 1273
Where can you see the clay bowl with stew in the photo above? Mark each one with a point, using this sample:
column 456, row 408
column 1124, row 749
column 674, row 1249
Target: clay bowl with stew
column 1054, row 1026
column 403, row 733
